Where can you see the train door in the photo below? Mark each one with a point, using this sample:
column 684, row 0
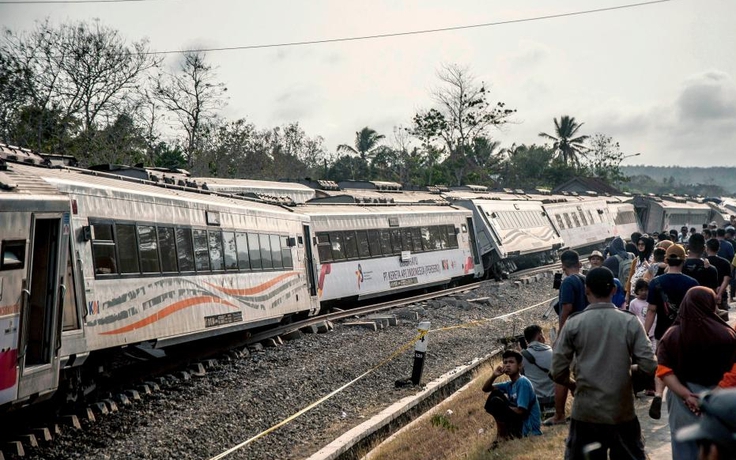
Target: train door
column 473, row 246
column 40, row 338
column 309, row 260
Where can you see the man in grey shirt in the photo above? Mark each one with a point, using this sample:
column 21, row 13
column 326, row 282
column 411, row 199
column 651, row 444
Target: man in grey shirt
column 608, row 344
column 538, row 361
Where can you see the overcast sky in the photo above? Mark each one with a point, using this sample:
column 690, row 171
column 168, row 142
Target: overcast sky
column 660, row 79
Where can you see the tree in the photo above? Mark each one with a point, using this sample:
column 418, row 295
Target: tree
column 463, row 114
column 349, row 167
column 193, row 97
column 84, row 72
column 568, row 147
column 605, row 159
column 526, row 167
column 366, row 141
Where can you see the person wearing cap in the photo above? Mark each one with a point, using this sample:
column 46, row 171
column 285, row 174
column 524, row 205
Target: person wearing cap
column 715, row 431
column 619, row 298
column 693, row 356
column 572, row 299
column 665, row 295
column 713, row 225
column 608, row 345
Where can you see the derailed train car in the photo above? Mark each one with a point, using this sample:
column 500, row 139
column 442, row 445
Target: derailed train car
column 120, row 262
column 671, row 213
column 367, row 251
column 34, row 285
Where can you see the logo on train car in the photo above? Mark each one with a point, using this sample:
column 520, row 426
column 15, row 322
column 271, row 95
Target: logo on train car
column 93, row 307
column 324, row 270
column 359, row 275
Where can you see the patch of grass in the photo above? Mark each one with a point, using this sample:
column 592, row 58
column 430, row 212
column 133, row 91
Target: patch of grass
column 472, row 434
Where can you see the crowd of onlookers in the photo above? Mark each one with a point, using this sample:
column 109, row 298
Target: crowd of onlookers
column 649, row 314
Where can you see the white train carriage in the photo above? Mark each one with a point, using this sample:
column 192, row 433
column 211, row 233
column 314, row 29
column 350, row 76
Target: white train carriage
column 171, row 265
column 372, row 251
column 625, row 221
column 671, row 213
column 512, row 233
column 584, row 223
column 290, row 191
column 34, row 235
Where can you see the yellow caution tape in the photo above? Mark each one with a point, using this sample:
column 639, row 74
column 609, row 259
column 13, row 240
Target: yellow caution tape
column 393, row 355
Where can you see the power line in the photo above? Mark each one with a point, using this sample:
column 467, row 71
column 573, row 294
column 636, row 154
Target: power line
column 61, row 2
column 413, row 32
column 360, row 37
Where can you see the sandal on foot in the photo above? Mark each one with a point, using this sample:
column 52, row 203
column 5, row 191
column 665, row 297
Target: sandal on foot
column 552, row 422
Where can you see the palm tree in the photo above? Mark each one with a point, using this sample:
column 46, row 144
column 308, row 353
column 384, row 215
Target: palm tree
column 366, row 140
column 567, row 146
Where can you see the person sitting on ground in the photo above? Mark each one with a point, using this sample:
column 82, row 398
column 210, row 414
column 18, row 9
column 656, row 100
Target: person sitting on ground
column 693, row 355
column 537, row 361
column 608, row 344
column 513, row 404
column 715, row 431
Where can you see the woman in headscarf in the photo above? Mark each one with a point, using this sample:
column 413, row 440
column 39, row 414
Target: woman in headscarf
column 693, row 356
column 640, row 266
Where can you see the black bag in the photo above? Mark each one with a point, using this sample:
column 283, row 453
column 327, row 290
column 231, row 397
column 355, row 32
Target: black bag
column 529, row 357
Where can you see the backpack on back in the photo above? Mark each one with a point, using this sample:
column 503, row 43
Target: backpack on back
column 624, row 266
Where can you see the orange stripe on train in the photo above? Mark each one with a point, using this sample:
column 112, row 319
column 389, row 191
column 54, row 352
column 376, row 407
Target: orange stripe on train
column 171, row 309
column 255, row 289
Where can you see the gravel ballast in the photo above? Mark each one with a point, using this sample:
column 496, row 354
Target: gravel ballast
column 205, row 416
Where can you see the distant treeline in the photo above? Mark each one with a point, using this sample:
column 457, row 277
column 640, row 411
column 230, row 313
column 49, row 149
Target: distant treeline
column 675, row 177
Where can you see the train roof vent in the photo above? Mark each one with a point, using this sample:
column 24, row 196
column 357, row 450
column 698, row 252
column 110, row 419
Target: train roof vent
column 508, row 190
column 519, row 191
column 387, row 186
column 328, row 185
column 591, row 193
column 20, row 155
column 543, row 191
column 477, row 188
column 6, row 183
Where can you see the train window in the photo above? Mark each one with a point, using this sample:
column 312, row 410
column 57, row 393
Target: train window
column 568, row 222
column 396, row 247
column 148, row 246
column 374, row 242
column 590, row 217
column 127, row 255
column 364, row 250
column 286, row 252
column 276, row 251
column 559, row 221
column 254, row 251
column 386, row 243
column 438, row 239
column 575, row 219
column 583, row 218
column 103, row 249
column 324, row 248
column 215, row 244
column 416, row 239
column 167, row 249
column 201, row 251
column 14, row 254
column 406, row 240
column 427, row 242
column 266, row 260
column 351, row 245
column 230, row 251
column 241, row 243
column 451, row 236
column 338, row 252
column 184, row 249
